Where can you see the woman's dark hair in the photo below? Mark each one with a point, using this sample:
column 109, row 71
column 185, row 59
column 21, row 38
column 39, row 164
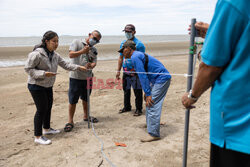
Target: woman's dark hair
column 47, row 36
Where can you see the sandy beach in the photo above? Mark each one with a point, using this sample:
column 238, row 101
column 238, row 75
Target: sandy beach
column 80, row 147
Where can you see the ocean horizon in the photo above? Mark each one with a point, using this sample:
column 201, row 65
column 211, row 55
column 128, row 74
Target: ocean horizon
column 108, row 39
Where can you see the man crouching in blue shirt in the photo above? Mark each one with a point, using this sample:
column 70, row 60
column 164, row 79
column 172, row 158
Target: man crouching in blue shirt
column 155, row 86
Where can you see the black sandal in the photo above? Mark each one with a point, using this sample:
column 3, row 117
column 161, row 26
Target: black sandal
column 137, row 113
column 123, row 110
column 93, row 119
column 68, row 127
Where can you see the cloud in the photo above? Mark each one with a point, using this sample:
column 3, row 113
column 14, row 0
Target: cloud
column 77, row 17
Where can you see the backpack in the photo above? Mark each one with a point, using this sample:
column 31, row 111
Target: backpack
column 146, row 62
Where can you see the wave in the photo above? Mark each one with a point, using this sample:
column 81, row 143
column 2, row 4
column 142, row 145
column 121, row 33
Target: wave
column 13, row 63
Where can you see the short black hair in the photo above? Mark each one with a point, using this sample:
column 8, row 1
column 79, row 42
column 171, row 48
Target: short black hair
column 98, row 32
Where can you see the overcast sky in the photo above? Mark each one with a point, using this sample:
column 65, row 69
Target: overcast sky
column 78, row 17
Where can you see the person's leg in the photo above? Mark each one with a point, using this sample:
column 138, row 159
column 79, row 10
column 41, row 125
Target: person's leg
column 47, row 116
column 158, row 93
column 85, row 97
column 41, row 103
column 85, row 109
column 151, row 125
column 73, row 94
column 138, row 93
column 72, row 109
column 47, row 130
column 220, row 157
column 127, row 92
column 70, row 125
column 154, row 117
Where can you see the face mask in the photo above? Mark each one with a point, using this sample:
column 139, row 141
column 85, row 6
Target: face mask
column 92, row 42
column 128, row 35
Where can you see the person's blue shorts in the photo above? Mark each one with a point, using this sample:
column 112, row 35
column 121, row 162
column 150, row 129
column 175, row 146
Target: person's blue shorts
column 77, row 88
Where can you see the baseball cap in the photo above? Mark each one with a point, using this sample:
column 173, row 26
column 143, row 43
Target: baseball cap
column 129, row 28
column 128, row 43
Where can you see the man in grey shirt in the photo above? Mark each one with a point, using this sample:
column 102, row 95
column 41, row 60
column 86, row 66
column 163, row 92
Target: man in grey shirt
column 81, row 52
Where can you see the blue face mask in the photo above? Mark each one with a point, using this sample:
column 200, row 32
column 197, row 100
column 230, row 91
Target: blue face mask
column 92, row 42
column 128, row 35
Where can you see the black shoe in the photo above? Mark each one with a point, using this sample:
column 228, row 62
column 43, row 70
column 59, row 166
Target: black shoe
column 123, row 110
column 138, row 112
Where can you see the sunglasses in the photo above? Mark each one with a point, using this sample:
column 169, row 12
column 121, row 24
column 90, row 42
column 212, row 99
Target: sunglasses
column 95, row 38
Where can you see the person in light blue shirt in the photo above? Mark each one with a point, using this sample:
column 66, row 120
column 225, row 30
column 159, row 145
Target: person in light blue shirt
column 155, row 85
column 226, row 67
column 129, row 77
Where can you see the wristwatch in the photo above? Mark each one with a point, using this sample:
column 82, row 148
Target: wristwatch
column 190, row 96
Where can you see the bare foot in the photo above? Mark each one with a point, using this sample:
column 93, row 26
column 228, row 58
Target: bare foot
column 150, row 138
column 163, row 123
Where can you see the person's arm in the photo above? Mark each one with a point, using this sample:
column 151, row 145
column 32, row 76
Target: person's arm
column 144, row 80
column 205, row 78
column 139, row 67
column 69, row 66
column 120, row 61
column 30, row 67
column 119, row 67
column 73, row 54
column 221, row 41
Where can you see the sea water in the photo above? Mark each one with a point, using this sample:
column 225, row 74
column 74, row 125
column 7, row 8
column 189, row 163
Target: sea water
column 66, row 40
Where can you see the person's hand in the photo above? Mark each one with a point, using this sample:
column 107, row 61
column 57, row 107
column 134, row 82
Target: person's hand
column 149, row 101
column 199, row 55
column 187, row 102
column 201, row 28
column 89, row 66
column 145, row 97
column 118, row 75
column 82, row 68
column 50, row 74
column 92, row 65
column 85, row 49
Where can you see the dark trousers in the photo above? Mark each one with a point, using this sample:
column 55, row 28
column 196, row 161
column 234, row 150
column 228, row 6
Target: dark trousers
column 133, row 81
column 43, row 100
column 222, row 157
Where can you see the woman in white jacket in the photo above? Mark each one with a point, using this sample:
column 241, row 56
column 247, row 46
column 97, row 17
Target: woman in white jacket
column 41, row 67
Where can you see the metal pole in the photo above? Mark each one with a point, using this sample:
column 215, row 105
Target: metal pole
column 189, row 87
column 88, row 98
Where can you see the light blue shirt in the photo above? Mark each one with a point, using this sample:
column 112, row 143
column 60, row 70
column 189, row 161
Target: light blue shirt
column 154, row 66
column 227, row 45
